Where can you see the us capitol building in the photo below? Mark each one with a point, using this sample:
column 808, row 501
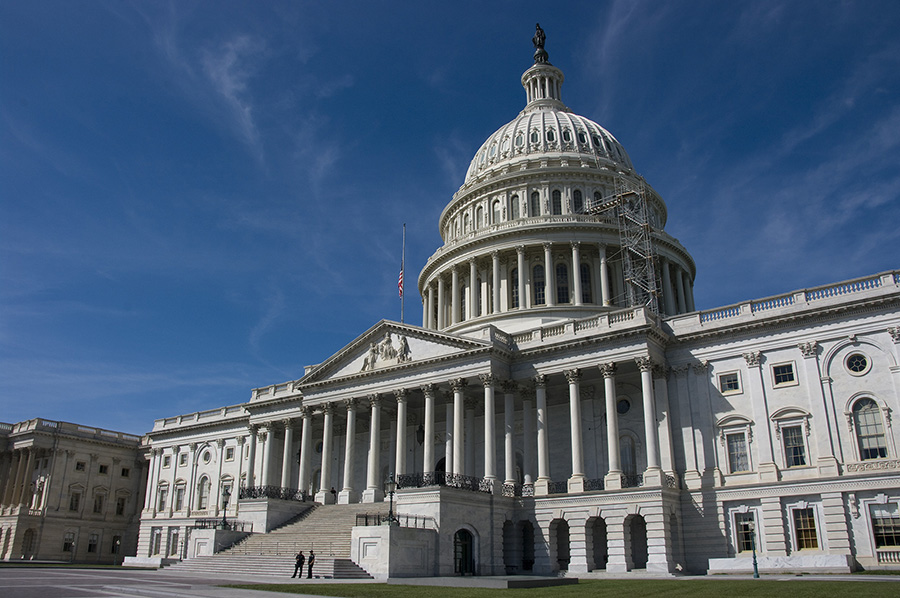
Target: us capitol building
column 563, row 406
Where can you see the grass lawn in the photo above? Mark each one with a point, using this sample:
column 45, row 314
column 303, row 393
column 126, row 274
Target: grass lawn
column 615, row 588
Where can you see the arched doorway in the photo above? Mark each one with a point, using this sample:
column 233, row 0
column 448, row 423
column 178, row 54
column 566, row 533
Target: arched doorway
column 28, row 544
column 439, row 470
column 463, row 553
column 559, row 537
column 511, row 547
column 600, row 549
column 638, row 528
column 527, row 546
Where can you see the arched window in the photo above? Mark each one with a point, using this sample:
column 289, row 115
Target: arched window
column 514, row 207
column 598, row 196
column 479, row 217
column 514, row 287
column 869, row 430
column 534, row 207
column 586, row 295
column 562, row 283
column 627, row 456
column 465, row 224
column 495, row 212
column 537, row 284
column 203, row 493
column 557, row 202
column 577, row 201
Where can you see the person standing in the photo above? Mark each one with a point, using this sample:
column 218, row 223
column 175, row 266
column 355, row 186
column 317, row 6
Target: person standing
column 312, row 559
column 298, row 565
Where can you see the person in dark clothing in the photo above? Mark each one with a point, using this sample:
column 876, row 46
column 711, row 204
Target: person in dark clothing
column 312, row 559
column 298, row 566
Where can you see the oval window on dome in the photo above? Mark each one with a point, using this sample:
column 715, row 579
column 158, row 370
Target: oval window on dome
column 597, row 141
column 550, row 135
column 493, row 150
column 534, row 137
column 567, row 135
column 481, row 159
column 520, row 139
column 504, row 147
column 582, row 138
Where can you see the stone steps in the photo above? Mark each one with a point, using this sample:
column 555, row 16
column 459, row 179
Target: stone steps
column 269, row 566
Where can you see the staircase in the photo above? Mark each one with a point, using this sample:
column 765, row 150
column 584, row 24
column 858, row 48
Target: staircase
column 326, row 529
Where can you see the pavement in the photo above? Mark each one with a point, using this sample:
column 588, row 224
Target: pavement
column 63, row 582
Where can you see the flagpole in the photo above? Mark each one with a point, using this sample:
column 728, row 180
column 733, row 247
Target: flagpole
column 402, row 273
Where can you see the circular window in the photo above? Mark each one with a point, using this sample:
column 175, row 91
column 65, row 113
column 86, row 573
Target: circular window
column 623, row 406
column 857, row 364
column 206, row 457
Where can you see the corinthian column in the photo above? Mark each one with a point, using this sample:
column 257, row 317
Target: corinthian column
column 374, row 491
column 454, row 296
column 542, row 484
column 613, row 479
column 576, row 273
column 495, row 281
column 576, row 482
column 287, row 455
column 653, row 475
column 347, row 494
column 459, row 462
column 520, row 266
column 306, row 449
column 428, row 459
column 549, row 276
column 400, row 458
column 324, row 495
column 490, row 428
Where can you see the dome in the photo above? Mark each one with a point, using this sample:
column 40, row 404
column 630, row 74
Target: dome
column 548, row 132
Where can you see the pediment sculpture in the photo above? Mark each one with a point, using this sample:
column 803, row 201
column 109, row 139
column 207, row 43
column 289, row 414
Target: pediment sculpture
column 384, row 353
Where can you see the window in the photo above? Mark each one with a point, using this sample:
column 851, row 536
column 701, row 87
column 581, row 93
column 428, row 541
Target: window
column 562, row 283
column 885, row 525
column 537, row 283
column 586, row 295
column 535, row 136
column 783, row 374
column 514, row 287
column 206, row 456
column 514, row 207
column 857, row 364
column 203, row 493
column 167, row 461
column 805, row 529
column 729, row 383
column 738, row 459
column 577, row 201
column 534, row 206
column 80, row 466
column 623, row 406
column 156, row 540
column 495, row 212
column 69, row 542
column 556, row 202
column 104, row 469
column 173, row 541
column 567, row 135
column 93, row 540
column 98, row 503
column 229, row 453
column 120, row 505
column 182, row 459
column 550, row 135
column 74, row 501
column 582, row 138
column 126, row 472
column 116, row 545
column 745, row 534
column 869, row 430
column 794, row 446
column 479, row 217
column 161, row 497
column 520, row 139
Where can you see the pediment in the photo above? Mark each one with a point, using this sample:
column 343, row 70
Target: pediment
column 388, row 345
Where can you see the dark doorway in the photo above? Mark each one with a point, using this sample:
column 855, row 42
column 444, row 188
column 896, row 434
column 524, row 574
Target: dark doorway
column 463, row 553
column 639, row 542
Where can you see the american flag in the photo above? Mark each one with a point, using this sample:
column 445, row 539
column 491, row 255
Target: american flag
column 400, row 281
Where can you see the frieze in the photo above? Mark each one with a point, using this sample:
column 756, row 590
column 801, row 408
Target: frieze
column 878, row 465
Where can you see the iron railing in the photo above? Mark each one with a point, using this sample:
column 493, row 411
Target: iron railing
column 593, row 484
column 440, row 478
column 229, row 526
column 558, row 488
column 671, row 482
column 413, row 521
column 274, row 492
column 633, row 481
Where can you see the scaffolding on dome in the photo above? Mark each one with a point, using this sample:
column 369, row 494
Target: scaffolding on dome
column 628, row 207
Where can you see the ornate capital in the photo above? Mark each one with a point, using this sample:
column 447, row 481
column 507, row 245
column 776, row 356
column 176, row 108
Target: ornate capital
column 305, row 412
column 680, row 370
column 753, row 358
column 547, row 246
column 429, row 390
column 220, row 442
column 263, row 434
column 241, row 440
column 573, row 375
column 701, row 367
column 471, row 404
column 192, row 446
column 608, row 370
column 540, row 380
column 287, row 422
column 576, row 244
column 488, row 379
column 253, row 429
column 328, row 408
column 894, row 331
column 401, row 394
column 520, row 249
column 660, row 370
column 808, row 349
column 645, row 364
column 351, row 403
column 374, row 400
column 458, row 384
column 509, row 386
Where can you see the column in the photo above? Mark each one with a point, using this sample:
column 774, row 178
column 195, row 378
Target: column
column 825, row 443
column 425, row 310
column 495, row 281
column 428, row 447
column 193, row 499
column 528, row 436
column 8, row 480
column 347, row 494
column 374, row 492
column 473, row 290
column 653, row 474
column 306, row 449
column 288, row 455
column 576, row 272
column 613, row 479
column 768, row 471
column 576, row 481
column 400, row 458
column 469, row 437
column 668, row 291
column 449, row 413
column 509, row 430
column 251, row 458
column 542, row 485
column 549, row 276
column 220, row 445
column 18, row 481
column 151, row 477
column 604, row 277
column 688, row 291
column 429, row 313
column 454, row 296
column 520, row 265
column 490, row 429
column 264, row 435
column 664, row 419
column 441, row 306
column 458, row 435
column 679, row 288
column 324, row 495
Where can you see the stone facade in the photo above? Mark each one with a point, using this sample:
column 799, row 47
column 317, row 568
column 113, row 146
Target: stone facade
column 69, row 492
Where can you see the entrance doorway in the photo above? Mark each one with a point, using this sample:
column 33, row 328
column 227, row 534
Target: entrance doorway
column 463, row 553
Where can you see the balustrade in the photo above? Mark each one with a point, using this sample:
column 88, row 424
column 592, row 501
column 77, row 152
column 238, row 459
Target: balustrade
column 274, row 492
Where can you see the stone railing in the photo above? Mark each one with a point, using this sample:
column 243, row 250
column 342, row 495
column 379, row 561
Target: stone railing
column 888, row 557
column 188, row 419
column 274, row 492
column 400, row 519
column 226, row 525
column 875, row 465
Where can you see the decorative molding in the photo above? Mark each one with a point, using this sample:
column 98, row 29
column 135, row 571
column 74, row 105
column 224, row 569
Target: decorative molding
column 429, row 390
column 458, row 384
column 878, row 465
column 809, row 349
column 701, row 368
column 509, row 386
column 573, row 376
column 540, row 381
column 661, row 370
column 753, row 358
column 680, row 370
column 488, row 379
column 607, row 370
column 894, row 331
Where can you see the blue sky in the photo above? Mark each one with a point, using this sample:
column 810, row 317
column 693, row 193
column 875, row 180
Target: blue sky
column 199, row 198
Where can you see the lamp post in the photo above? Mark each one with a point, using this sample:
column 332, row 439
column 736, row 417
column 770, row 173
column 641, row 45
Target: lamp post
column 226, row 494
column 390, row 486
column 751, row 525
